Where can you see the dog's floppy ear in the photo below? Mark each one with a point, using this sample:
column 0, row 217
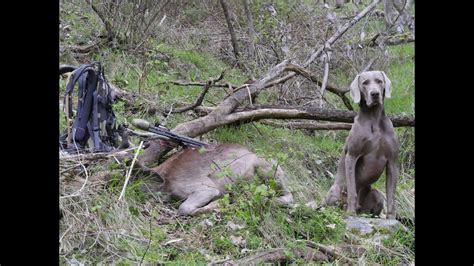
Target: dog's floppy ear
column 355, row 90
column 388, row 85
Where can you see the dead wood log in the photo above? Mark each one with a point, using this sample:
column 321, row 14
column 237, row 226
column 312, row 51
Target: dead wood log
column 258, row 112
column 84, row 49
column 307, row 113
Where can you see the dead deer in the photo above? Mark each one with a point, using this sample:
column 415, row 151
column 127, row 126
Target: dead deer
column 199, row 175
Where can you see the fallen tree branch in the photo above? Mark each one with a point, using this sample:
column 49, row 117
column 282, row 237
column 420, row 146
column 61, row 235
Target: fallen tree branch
column 84, row 49
column 258, row 112
column 398, row 120
column 309, row 126
column 330, row 252
column 311, row 114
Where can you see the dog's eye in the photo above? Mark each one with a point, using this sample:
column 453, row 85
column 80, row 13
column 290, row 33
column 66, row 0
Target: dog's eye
column 378, row 81
column 365, row 82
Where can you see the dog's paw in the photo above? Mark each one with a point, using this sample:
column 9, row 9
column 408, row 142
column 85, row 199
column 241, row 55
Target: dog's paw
column 351, row 210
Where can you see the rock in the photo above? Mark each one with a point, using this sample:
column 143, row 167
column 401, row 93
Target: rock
column 365, row 226
column 378, row 237
column 206, row 223
column 312, row 205
column 231, row 225
column 237, row 240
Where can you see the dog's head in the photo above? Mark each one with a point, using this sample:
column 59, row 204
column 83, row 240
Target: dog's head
column 372, row 86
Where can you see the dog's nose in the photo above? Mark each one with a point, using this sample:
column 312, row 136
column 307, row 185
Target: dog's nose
column 375, row 94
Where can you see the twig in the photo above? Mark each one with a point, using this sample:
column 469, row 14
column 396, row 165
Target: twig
column 199, row 100
column 400, row 11
column 369, row 65
column 195, row 104
column 172, row 241
column 94, row 156
column 130, row 171
column 149, row 242
column 327, row 58
column 305, row 73
column 250, row 95
column 75, row 194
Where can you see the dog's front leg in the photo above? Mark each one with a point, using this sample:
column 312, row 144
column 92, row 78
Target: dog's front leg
column 350, row 162
column 391, row 184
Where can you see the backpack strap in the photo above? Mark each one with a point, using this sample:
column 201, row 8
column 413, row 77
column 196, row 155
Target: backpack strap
column 86, row 78
column 95, row 123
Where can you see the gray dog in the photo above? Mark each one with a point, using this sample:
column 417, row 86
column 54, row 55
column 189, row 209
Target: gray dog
column 370, row 148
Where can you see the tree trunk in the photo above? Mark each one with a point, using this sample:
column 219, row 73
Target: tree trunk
column 251, row 29
column 231, row 29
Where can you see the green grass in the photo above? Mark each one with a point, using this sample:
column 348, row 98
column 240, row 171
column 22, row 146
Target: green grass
column 402, row 74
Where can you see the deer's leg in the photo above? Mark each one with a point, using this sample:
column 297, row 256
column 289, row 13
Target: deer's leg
column 198, row 199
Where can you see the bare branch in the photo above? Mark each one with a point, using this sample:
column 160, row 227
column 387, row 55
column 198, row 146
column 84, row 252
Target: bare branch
column 331, row 41
column 199, row 100
column 195, row 104
column 327, row 58
column 305, row 73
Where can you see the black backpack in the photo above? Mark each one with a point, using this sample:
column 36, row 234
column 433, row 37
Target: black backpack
column 94, row 123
